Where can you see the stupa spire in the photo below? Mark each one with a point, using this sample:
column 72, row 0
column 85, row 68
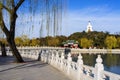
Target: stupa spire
column 89, row 27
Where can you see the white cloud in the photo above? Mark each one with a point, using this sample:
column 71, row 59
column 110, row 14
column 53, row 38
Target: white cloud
column 102, row 19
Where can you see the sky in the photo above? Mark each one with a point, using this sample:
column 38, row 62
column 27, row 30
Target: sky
column 103, row 14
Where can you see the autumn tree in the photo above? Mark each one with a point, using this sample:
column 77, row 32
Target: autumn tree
column 111, row 42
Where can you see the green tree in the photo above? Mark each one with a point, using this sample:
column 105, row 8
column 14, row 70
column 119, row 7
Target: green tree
column 26, row 40
column 53, row 42
column 118, row 42
column 34, row 42
column 85, row 43
column 18, row 41
column 43, row 42
column 111, row 42
column 97, row 37
column 61, row 39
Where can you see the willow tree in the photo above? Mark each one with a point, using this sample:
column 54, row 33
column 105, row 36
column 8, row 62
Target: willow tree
column 51, row 16
column 50, row 10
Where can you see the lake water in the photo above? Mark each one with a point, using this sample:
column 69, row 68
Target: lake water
column 111, row 62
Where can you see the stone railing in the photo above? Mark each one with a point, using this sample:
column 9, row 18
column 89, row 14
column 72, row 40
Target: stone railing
column 75, row 70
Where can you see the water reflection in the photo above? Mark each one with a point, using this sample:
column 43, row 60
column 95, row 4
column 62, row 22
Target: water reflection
column 111, row 61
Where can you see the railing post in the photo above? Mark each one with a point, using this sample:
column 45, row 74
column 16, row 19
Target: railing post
column 52, row 58
column 98, row 73
column 56, row 59
column 79, row 67
column 41, row 55
column 37, row 54
column 46, row 55
column 62, row 58
column 69, row 59
column 49, row 57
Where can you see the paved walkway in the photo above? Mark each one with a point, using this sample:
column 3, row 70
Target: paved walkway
column 31, row 70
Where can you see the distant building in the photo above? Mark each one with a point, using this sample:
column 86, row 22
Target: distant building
column 89, row 27
column 71, row 44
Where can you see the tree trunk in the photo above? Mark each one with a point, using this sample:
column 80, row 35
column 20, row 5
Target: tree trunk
column 3, row 49
column 14, row 50
column 10, row 34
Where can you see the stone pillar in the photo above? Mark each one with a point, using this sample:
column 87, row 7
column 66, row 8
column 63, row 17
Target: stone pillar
column 49, row 56
column 37, row 54
column 52, row 58
column 79, row 67
column 62, row 58
column 56, row 59
column 69, row 59
column 98, row 73
column 42, row 55
column 46, row 56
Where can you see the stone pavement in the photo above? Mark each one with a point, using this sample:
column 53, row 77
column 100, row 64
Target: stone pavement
column 31, row 70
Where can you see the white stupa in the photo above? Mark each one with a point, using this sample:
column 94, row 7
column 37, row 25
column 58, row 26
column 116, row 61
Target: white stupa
column 89, row 27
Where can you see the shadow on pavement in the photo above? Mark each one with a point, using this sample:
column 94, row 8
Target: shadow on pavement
column 9, row 62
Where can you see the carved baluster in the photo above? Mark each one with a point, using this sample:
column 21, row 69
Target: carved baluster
column 57, row 58
column 98, row 73
column 41, row 55
column 69, row 59
column 79, row 67
column 62, row 58
column 49, row 57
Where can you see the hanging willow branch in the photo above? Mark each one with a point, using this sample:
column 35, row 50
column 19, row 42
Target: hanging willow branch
column 52, row 16
column 50, row 10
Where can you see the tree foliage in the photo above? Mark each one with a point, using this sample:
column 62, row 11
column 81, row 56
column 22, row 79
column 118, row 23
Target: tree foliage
column 118, row 42
column 53, row 41
column 35, row 42
column 18, row 41
column 92, row 39
column 111, row 42
column 85, row 43
column 97, row 37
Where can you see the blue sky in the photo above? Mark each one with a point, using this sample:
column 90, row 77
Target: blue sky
column 103, row 14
